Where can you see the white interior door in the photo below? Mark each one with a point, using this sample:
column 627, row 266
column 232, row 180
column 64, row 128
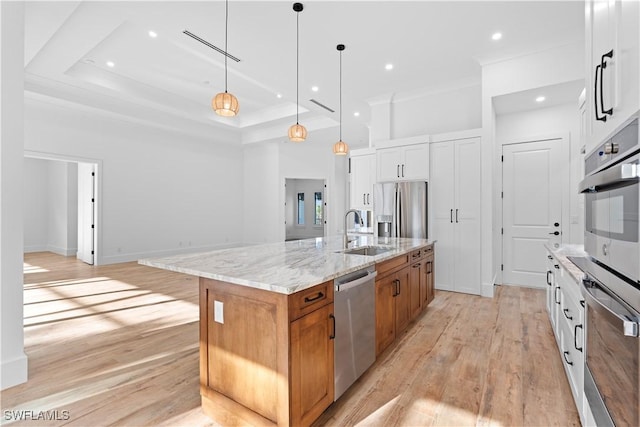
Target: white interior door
column 532, row 208
column 86, row 212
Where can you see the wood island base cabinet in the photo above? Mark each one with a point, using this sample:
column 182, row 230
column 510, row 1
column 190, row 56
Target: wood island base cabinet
column 404, row 288
column 266, row 357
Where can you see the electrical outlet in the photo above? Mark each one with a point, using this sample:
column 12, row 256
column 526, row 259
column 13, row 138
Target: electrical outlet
column 218, row 312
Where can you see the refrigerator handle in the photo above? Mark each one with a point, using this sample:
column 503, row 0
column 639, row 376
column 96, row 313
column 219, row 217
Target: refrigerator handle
column 451, row 216
column 398, row 212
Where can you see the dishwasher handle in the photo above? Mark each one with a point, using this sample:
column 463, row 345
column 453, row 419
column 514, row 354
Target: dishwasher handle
column 371, row 274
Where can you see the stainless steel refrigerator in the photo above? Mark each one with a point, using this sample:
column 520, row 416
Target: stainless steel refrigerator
column 400, row 209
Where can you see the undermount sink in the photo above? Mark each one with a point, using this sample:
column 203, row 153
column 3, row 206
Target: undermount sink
column 366, row 250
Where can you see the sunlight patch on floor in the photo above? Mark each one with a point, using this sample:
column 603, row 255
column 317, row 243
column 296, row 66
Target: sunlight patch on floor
column 380, row 414
column 28, row 268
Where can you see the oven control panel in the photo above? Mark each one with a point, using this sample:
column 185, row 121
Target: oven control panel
column 619, row 146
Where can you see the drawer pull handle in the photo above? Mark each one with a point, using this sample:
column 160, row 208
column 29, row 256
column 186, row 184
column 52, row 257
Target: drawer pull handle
column 575, row 337
column 555, row 295
column 333, row 334
column 548, row 280
column 564, row 354
column 317, row 297
column 565, row 311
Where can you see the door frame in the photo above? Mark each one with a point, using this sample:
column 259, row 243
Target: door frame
column 283, row 198
column 565, row 150
column 97, row 260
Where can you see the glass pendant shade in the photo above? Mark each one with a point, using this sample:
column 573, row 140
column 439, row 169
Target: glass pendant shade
column 340, row 148
column 225, row 104
column 297, row 133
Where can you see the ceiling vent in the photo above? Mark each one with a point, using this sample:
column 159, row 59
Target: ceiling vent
column 319, row 104
column 206, row 43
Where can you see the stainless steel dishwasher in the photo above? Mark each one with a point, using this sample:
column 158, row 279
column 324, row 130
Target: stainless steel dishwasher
column 355, row 333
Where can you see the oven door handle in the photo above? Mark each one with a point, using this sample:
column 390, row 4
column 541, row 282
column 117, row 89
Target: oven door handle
column 629, row 327
column 615, row 177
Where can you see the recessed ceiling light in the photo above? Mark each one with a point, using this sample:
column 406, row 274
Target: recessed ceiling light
column 388, row 67
column 540, row 99
column 111, row 64
column 315, row 88
column 279, row 95
column 356, row 113
column 496, row 36
column 153, row 34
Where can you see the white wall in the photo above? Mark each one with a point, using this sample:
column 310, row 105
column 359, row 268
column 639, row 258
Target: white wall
column 426, row 113
column 437, row 112
column 50, row 206
column 159, row 192
column 268, row 165
column 36, row 203
column 13, row 360
column 557, row 120
column 547, row 68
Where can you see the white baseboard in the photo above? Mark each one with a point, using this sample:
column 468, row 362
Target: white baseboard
column 35, row 248
column 62, row 251
column 14, row 372
column 487, row 290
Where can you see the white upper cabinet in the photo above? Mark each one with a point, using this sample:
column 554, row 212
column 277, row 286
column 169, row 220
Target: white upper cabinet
column 403, row 163
column 363, row 176
column 612, row 66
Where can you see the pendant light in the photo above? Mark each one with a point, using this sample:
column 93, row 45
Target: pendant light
column 224, row 103
column 297, row 132
column 340, row 148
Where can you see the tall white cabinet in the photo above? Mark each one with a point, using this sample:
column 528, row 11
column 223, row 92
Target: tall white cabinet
column 455, row 206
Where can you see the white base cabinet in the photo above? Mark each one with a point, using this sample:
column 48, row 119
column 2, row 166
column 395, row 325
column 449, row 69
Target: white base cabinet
column 566, row 313
column 455, row 206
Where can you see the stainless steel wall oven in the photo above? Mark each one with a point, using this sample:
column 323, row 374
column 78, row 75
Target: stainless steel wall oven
column 611, row 286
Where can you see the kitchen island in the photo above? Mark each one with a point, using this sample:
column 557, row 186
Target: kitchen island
column 267, row 323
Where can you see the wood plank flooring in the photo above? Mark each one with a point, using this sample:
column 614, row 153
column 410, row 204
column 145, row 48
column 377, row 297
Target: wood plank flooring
column 118, row 345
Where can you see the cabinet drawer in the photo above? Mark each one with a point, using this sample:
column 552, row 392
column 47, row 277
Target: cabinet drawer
column 417, row 254
column 392, row 265
column 308, row 300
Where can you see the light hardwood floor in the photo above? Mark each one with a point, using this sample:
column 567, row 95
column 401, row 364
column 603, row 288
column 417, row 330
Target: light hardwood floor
column 118, row 345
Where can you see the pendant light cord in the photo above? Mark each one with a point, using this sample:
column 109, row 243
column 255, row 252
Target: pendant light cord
column 226, row 31
column 297, row 63
column 340, row 95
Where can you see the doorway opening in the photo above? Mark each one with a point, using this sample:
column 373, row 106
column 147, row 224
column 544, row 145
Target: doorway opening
column 305, row 208
column 61, row 206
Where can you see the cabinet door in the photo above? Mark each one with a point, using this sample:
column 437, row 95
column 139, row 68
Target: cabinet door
column 417, row 280
column 403, row 300
column 388, row 162
column 415, row 165
column 466, row 216
column 312, row 382
column 362, row 180
column 385, row 312
column 442, row 208
column 611, row 26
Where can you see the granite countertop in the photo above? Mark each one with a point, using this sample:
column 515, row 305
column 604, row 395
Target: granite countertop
column 286, row 267
column 561, row 253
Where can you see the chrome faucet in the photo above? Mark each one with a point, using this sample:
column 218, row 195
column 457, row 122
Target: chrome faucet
column 358, row 218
